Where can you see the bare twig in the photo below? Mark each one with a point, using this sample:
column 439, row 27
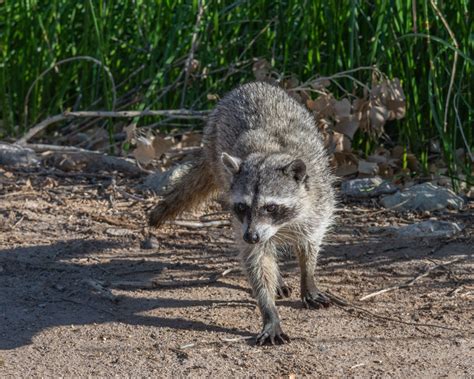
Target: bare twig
column 101, row 290
column 410, row 282
column 348, row 307
column 455, row 61
column 18, row 193
column 55, row 67
column 175, row 113
column 386, row 318
column 342, row 74
column 18, row 222
column 41, row 147
column 236, row 339
column 194, row 41
column 198, row 225
column 150, row 284
column 372, row 213
column 129, row 195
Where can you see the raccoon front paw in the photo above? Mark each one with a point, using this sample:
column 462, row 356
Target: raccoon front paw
column 283, row 291
column 272, row 334
column 315, row 299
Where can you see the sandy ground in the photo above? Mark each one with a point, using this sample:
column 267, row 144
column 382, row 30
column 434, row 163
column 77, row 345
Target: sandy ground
column 81, row 296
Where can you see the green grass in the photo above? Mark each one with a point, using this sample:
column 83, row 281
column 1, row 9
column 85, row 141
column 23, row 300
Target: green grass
column 145, row 44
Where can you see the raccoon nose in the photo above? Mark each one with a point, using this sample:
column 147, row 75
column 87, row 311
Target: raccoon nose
column 251, row 237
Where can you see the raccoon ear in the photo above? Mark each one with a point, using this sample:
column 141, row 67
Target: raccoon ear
column 232, row 164
column 297, row 169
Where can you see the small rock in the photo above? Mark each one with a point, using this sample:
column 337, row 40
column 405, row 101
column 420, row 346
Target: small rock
column 423, row 197
column 17, row 156
column 429, row 229
column 161, row 182
column 368, row 168
column 118, row 232
column 149, row 243
column 367, row 187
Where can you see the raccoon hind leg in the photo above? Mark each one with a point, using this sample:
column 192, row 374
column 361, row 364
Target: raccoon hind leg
column 283, row 290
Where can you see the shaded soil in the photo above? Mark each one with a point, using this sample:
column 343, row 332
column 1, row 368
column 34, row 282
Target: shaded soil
column 81, row 296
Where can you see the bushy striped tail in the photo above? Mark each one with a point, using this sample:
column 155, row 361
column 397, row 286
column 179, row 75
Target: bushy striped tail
column 192, row 189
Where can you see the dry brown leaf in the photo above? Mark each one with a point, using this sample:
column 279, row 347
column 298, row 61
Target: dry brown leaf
column 394, row 163
column 191, row 139
column 378, row 115
column 345, row 163
column 368, row 168
column 212, row 97
column 379, row 91
column 396, row 109
column 296, row 95
column 130, row 131
column 305, row 96
column 361, row 113
column 261, row 69
column 385, row 170
column 380, row 155
column 389, row 93
column 161, row 145
column 412, row 163
column 347, row 126
column 290, row 83
column 323, row 106
column 374, row 158
column 338, row 142
column 342, row 108
column 144, row 152
column 397, row 152
column 396, row 101
column 193, row 65
column 320, row 83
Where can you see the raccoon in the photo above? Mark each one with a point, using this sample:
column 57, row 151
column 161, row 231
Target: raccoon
column 263, row 152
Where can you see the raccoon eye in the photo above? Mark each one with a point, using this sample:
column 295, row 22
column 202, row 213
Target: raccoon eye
column 240, row 207
column 270, row 208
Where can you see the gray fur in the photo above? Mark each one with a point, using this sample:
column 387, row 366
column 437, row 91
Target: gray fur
column 263, row 151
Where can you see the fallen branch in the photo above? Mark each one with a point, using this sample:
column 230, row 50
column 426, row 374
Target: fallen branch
column 410, row 282
column 349, row 307
column 175, row 113
column 41, row 147
column 194, row 43
column 129, row 196
column 101, row 290
column 223, row 339
column 151, row 284
column 198, row 225
column 69, row 159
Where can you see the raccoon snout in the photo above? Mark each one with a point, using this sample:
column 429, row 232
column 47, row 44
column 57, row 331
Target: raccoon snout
column 251, row 237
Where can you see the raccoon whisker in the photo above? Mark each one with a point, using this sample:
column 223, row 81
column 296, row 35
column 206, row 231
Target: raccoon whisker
column 284, row 239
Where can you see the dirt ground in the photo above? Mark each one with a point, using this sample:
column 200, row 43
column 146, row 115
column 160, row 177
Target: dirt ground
column 82, row 295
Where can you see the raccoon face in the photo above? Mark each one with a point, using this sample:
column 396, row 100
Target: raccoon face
column 266, row 192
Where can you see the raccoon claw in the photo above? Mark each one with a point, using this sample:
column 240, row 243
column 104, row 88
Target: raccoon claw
column 316, row 300
column 283, row 291
column 272, row 334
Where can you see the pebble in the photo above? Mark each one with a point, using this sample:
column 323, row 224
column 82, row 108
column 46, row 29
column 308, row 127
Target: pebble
column 17, row 156
column 431, row 228
column 423, row 197
column 149, row 243
column 367, row 187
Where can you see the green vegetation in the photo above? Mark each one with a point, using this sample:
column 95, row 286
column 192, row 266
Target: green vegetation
column 144, row 45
